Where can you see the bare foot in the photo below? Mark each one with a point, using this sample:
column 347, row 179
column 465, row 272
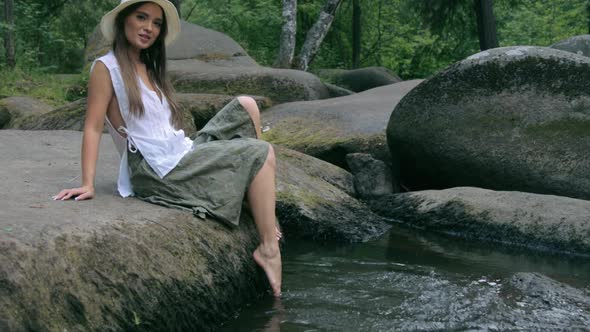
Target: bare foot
column 269, row 260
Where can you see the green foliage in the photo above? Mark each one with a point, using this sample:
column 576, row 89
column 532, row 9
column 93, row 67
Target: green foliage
column 50, row 88
column 415, row 39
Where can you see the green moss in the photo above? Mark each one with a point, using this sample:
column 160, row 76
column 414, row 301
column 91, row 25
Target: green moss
column 300, row 134
column 296, row 197
column 55, row 90
column 571, row 127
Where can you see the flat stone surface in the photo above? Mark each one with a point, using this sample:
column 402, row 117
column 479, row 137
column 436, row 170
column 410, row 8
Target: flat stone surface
column 45, row 163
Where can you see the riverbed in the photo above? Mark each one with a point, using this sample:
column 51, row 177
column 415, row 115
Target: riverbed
column 409, row 281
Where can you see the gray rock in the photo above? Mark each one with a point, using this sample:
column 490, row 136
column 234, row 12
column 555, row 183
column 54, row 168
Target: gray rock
column 372, row 178
column 197, row 109
column 330, row 129
column 194, row 42
column 109, row 263
column 318, row 209
column 202, row 107
column 206, row 61
column 550, row 293
column 336, row 91
column 577, row 44
column 122, row 264
column 361, row 79
column 280, row 85
column 12, row 108
column 512, row 118
column 540, row 222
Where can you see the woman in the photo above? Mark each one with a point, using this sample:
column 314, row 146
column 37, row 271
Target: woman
column 210, row 175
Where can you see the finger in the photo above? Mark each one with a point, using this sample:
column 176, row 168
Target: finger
column 68, row 195
column 86, row 195
column 60, row 194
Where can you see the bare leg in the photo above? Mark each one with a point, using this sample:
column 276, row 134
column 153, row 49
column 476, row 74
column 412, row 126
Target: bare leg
column 262, row 197
column 251, row 107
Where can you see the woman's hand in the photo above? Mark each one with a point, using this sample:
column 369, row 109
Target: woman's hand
column 80, row 194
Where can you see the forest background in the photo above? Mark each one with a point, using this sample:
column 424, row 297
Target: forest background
column 413, row 38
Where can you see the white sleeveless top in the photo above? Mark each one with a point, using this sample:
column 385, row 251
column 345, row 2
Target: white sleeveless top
column 160, row 144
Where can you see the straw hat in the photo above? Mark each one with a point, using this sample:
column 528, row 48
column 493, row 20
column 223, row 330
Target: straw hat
column 107, row 23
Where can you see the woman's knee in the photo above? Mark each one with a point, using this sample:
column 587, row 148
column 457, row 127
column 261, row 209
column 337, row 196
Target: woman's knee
column 249, row 105
column 270, row 157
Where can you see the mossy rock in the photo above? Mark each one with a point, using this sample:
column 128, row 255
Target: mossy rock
column 120, row 264
column 332, row 128
column 13, row 108
column 509, row 218
column 110, row 263
column 314, row 202
column 359, row 80
column 202, row 107
column 515, row 118
column 280, row 85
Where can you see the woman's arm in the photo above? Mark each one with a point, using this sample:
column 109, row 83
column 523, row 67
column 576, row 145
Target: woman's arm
column 100, row 93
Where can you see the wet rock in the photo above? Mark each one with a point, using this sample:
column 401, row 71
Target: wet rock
column 12, row 108
column 540, row 222
column 361, row 79
column 513, row 118
column 313, row 203
column 372, row 178
column 542, row 290
column 577, row 44
column 332, row 128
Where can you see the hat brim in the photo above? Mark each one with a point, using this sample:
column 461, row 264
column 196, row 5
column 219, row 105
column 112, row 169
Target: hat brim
column 107, row 23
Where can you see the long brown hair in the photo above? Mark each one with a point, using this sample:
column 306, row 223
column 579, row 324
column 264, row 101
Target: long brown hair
column 154, row 58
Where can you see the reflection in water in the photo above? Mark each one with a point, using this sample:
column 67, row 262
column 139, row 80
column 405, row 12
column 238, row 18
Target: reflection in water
column 409, row 281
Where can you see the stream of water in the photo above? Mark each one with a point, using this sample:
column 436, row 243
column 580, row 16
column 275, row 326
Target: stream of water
column 407, row 281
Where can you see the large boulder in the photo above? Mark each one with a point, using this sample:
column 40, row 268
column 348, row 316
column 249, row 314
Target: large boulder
column 109, row 263
column 206, row 61
column 201, row 107
column 197, row 110
column 540, row 222
column 280, row 85
column 123, row 264
column 332, row 128
column 515, row 118
column 361, row 79
column 314, row 202
column 12, row 108
column 194, row 42
column 577, row 44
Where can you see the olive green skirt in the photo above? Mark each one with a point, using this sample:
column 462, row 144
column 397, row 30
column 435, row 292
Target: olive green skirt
column 213, row 178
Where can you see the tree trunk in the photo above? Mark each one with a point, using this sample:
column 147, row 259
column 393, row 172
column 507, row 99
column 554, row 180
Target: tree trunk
column 486, row 24
column 287, row 46
column 588, row 14
column 356, row 34
column 316, row 34
column 176, row 3
column 9, row 33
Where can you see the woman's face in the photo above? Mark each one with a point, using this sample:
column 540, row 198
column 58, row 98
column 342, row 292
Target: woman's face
column 142, row 26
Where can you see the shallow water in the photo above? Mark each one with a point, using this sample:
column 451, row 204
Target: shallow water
column 411, row 282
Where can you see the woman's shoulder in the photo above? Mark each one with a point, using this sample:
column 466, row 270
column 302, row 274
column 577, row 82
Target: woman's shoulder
column 109, row 60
